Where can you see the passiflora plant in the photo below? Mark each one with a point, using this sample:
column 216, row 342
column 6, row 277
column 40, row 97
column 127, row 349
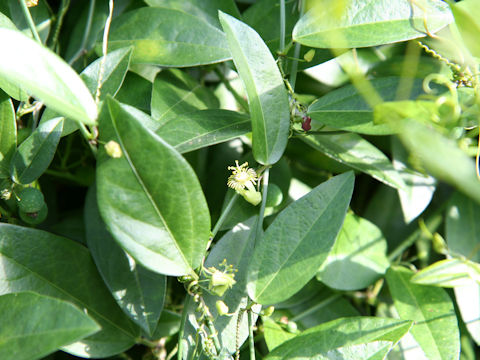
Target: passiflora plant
column 220, row 179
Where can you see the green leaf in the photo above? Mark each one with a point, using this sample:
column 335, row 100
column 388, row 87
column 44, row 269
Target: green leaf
column 203, row 128
column 139, row 292
column 168, row 325
column 466, row 15
column 274, row 334
column 419, row 188
column 34, row 260
column 359, row 154
column 34, row 325
column 136, row 91
column 205, row 10
column 175, row 93
column 115, row 69
column 463, row 238
column 46, row 76
column 339, row 339
column 358, row 257
column 267, row 96
column 8, row 134
column 346, row 109
column 436, row 328
column 150, row 198
column 448, row 273
column 236, row 246
column 35, row 154
column 440, row 156
column 168, row 37
column 298, row 241
column 362, row 23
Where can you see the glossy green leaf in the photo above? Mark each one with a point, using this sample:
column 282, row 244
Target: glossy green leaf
column 150, row 198
column 34, row 155
column 5, row 22
column 274, row 334
column 40, row 15
column 298, row 241
column 436, row 328
column 168, row 37
column 203, row 128
column 346, row 109
column 463, row 238
column 46, row 76
column 267, row 96
column 339, row 339
column 358, row 153
column 135, row 91
column 466, row 15
column 140, row 293
column 358, row 257
column 8, row 134
column 362, row 23
column 419, row 188
column 236, row 247
column 34, row 260
column 205, row 10
column 449, row 273
column 34, row 325
column 175, row 93
column 115, row 69
column 168, row 325
column 441, row 157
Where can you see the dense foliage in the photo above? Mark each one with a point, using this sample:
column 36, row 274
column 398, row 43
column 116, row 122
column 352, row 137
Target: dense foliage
column 249, row 179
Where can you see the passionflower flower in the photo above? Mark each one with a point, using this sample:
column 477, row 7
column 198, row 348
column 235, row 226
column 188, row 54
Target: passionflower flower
column 243, row 181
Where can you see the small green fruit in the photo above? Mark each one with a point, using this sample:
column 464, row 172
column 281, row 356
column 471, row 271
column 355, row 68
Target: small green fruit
column 34, row 218
column 292, row 327
column 30, row 200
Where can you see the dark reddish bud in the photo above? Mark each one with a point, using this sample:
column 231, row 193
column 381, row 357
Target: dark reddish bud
column 306, row 124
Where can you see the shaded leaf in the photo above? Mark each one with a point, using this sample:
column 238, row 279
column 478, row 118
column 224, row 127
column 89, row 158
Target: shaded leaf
column 8, row 134
column 267, row 96
column 436, row 328
column 358, row 257
column 448, row 273
column 35, row 153
column 139, row 292
column 34, row 325
column 168, row 37
column 159, row 217
column 168, row 325
column 203, row 128
column 175, row 93
column 346, row 109
column 34, row 260
column 274, row 334
column 466, row 15
column 361, row 23
column 358, row 153
column 339, row 339
column 298, row 241
column 46, row 76
column 205, row 10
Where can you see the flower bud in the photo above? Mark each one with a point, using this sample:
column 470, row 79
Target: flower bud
column 268, row 311
column 113, row 149
column 222, row 308
column 309, row 55
column 439, row 244
column 221, row 282
column 292, row 327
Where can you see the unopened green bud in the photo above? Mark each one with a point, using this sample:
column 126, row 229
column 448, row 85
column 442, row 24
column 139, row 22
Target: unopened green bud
column 268, row 311
column 439, row 244
column 309, row 55
column 113, row 149
column 254, row 197
column 292, row 327
column 222, row 308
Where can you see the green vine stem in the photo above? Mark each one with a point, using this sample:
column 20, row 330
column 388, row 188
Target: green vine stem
column 30, row 22
column 223, row 215
column 106, row 31
column 181, row 331
column 296, row 52
column 251, row 339
column 282, row 26
column 61, row 16
column 265, row 177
